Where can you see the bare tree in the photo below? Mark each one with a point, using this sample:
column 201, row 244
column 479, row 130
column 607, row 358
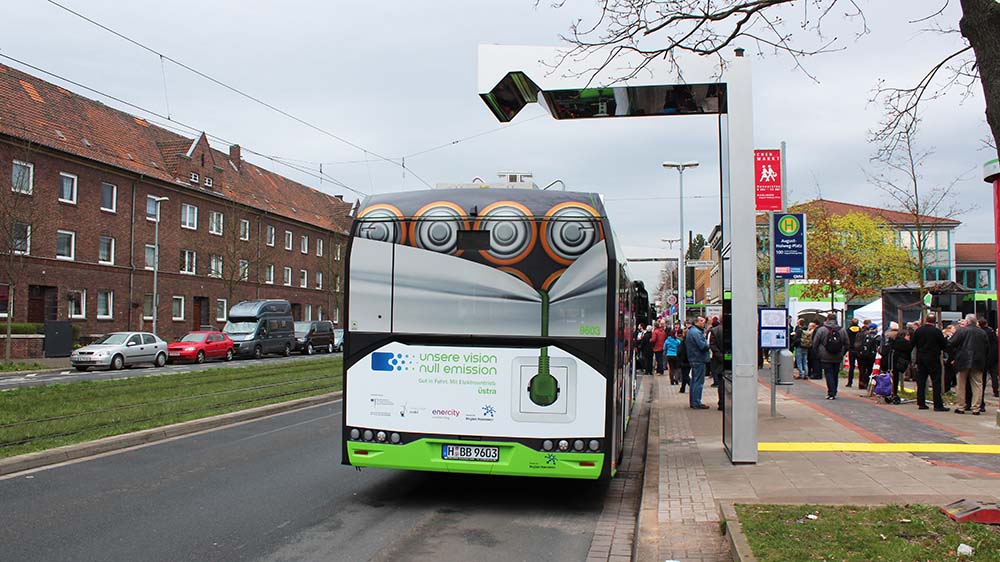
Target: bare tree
column 901, row 181
column 642, row 32
column 241, row 256
column 19, row 215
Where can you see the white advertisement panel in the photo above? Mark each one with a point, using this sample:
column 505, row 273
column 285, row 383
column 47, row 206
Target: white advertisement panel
column 475, row 391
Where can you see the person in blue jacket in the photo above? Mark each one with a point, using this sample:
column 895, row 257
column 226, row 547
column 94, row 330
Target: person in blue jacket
column 697, row 353
column 670, row 349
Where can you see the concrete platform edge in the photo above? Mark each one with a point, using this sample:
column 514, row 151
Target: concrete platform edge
column 738, row 544
column 40, row 459
column 646, row 547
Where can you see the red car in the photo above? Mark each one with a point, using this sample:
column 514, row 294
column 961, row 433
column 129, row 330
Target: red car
column 200, row 345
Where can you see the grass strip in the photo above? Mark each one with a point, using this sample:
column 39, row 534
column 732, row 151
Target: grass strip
column 19, row 366
column 39, row 418
column 894, row 533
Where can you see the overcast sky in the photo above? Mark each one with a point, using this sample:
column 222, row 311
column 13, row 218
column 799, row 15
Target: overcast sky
column 399, row 78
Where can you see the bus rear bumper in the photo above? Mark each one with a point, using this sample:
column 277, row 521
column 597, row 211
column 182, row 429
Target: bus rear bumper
column 515, row 459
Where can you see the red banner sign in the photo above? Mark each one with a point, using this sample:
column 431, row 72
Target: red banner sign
column 767, row 179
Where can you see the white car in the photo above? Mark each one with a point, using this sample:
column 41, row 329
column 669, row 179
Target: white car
column 118, row 349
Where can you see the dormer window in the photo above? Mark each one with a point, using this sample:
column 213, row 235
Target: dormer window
column 208, row 181
column 194, row 177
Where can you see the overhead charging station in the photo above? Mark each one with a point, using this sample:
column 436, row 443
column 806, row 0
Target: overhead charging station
column 510, row 77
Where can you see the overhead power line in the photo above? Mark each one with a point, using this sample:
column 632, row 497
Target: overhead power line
column 182, row 124
column 234, row 89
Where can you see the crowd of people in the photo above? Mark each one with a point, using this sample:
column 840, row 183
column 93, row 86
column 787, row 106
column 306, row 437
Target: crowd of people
column 961, row 356
column 687, row 355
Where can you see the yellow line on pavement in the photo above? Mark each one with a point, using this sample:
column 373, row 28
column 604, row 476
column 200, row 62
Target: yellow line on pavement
column 828, row 447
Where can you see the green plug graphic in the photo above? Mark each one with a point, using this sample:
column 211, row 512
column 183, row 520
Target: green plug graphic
column 543, row 389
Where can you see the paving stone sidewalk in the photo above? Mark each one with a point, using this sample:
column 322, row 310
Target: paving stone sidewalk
column 693, row 473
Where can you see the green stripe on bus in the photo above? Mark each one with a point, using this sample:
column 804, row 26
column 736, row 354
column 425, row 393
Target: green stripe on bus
column 515, row 459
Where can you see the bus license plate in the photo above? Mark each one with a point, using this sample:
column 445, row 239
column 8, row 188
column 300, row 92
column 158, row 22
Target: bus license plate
column 470, row 453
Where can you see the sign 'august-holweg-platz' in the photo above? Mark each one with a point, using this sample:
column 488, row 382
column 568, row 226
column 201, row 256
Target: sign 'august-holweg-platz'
column 789, row 246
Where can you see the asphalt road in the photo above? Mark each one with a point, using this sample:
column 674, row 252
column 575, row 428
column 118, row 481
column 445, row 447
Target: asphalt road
column 274, row 490
column 72, row 375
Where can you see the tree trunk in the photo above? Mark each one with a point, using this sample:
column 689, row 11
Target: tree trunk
column 980, row 24
column 10, row 316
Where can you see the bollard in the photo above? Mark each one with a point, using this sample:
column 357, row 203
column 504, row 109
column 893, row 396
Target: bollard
column 786, row 367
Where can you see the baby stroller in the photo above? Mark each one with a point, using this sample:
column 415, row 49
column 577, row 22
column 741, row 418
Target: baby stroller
column 883, row 387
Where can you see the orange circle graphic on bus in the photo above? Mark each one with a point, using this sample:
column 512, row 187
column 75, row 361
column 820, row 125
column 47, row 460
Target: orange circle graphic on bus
column 571, row 228
column 383, row 223
column 435, row 227
column 512, row 232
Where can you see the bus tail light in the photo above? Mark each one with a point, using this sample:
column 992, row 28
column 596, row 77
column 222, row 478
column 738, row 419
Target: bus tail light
column 586, row 463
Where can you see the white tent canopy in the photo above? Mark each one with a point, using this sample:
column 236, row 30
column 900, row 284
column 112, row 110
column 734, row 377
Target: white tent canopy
column 871, row 311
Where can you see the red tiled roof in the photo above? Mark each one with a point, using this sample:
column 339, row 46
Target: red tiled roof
column 975, row 252
column 48, row 115
column 887, row 215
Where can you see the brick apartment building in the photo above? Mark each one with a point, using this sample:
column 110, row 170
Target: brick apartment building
column 78, row 215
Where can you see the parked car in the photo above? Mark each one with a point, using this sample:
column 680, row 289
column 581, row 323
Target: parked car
column 338, row 340
column 313, row 336
column 200, row 345
column 261, row 326
column 120, row 349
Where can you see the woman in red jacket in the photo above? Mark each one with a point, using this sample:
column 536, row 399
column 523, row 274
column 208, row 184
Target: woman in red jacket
column 659, row 336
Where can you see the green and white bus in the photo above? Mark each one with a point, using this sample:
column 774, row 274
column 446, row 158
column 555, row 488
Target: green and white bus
column 489, row 331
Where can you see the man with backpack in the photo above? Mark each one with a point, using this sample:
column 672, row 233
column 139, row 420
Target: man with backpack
column 929, row 342
column 867, row 352
column 830, row 344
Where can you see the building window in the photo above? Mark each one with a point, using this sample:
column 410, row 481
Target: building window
column 336, row 251
column 4, row 299
column 269, row 274
column 209, row 182
column 319, row 247
column 194, row 177
column 189, row 216
column 22, row 178
column 177, row 309
column 189, row 262
column 152, row 208
column 936, row 273
column 244, row 229
column 336, row 283
column 215, row 222
column 244, row 270
column 269, row 239
column 105, row 304
column 221, row 310
column 336, row 315
column 77, row 307
column 150, row 256
column 288, row 276
column 109, row 197
column 307, row 313
column 303, row 278
column 21, row 238
column 106, row 250
column 147, row 306
column 288, row 240
column 978, row 279
column 65, row 245
column 304, row 244
column 67, row 188
column 319, row 279
column 319, row 313
column 215, row 266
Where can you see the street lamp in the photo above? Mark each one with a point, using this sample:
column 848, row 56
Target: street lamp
column 156, row 259
column 682, row 269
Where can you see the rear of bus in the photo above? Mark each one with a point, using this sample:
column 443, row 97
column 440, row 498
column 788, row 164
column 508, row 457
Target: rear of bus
column 478, row 334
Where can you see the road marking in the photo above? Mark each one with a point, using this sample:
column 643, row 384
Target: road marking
column 31, row 375
column 64, row 373
column 830, row 447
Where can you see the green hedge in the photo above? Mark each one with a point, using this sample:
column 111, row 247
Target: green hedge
column 17, row 328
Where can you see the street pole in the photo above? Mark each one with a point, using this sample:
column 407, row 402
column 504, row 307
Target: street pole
column 682, row 267
column 156, row 261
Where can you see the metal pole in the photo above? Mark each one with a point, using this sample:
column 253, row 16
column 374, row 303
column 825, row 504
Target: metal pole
column 771, row 301
column 156, row 266
column 682, row 268
column 784, row 203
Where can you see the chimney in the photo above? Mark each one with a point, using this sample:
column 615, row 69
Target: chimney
column 339, row 196
column 234, row 155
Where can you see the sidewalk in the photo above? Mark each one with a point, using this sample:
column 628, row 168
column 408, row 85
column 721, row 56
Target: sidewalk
column 688, row 473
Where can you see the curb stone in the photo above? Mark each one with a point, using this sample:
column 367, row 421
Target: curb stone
column 739, row 546
column 65, row 453
column 646, row 539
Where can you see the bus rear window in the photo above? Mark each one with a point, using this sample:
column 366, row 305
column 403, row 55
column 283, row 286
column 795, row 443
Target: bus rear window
column 473, row 239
